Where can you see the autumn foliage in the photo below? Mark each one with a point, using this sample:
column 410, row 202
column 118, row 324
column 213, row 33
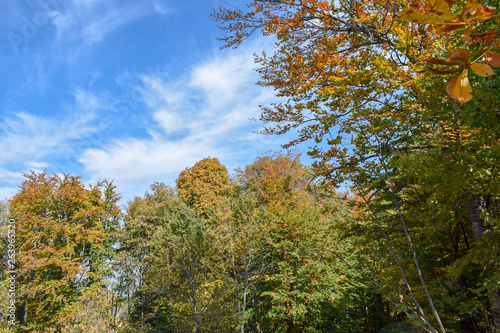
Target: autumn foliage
column 477, row 24
column 64, row 234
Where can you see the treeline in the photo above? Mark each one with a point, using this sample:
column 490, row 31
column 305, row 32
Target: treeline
column 264, row 250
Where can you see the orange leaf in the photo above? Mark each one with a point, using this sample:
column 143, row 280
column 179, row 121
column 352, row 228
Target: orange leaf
column 493, row 58
column 490, row 36
column 460, row 55
column 486, row 37
column 483, row 70
column 459, row 88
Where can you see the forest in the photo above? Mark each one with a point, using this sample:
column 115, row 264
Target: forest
column 394, row 227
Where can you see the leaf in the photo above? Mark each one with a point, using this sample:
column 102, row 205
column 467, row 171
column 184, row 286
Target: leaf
column 335, row 141
column 481, row 69
column 486, row 37
column 436, row 71
column 476, row 11
column 493, row 58
column 460, row 55
column 459, row 88
column 466, row 35
column 471, row 7
column 449, row 27
column 418, row 17
column 390, row 184
column 446, row 62
column 438, row 6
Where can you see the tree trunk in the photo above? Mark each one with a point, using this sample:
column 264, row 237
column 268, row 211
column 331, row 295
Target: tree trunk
column 290, row 326
column 473, row 204
column 479, row 229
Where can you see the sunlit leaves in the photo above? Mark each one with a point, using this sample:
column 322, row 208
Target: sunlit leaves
column 472, row 16
column 481, row 69
column 459, row 88
column 204, row 186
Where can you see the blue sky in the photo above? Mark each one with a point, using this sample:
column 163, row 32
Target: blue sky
column 130, row 91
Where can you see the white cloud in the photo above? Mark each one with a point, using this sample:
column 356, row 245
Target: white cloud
column 28, row 137
column 170, row 122
column 160, row 8
column 225, row 79
column 37, row 165
column 205, row 113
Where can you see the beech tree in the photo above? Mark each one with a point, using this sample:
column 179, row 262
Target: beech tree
column 204, row 186
column 300, row 291
column 64, row 239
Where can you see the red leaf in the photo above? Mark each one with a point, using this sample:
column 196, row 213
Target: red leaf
column 446, row 62
column 436, row 71
column 460, row 55
column 493, row 58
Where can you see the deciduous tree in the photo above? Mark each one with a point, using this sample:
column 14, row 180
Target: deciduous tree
column 64, row 238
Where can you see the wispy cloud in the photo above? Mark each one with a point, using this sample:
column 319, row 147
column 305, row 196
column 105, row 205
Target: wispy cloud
column 34, row 142
column 26, row 136
column 83, row 23
column 204, row 113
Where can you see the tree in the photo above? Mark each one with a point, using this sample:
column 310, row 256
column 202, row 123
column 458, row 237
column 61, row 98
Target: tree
column 201, row 300
column 64, row 237
column 240, row 253
column 302, row 289
column 355, row 70
column 204, row 186
column 167, row 256
column 143, row 222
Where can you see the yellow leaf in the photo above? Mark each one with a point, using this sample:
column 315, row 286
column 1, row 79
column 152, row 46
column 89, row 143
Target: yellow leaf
column 390, row 184
column 459, row 88
column 471, row 6
column 483, row 70
column 418, row 17
column 493, row 58
column 437, row 6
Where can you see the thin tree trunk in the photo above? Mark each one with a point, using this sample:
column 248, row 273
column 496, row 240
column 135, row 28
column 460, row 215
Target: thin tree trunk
column 480, row 229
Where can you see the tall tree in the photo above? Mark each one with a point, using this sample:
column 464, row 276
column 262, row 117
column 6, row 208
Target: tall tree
column 299, row 292
column 204, row 186
column 64, row 239
column 137, row 240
